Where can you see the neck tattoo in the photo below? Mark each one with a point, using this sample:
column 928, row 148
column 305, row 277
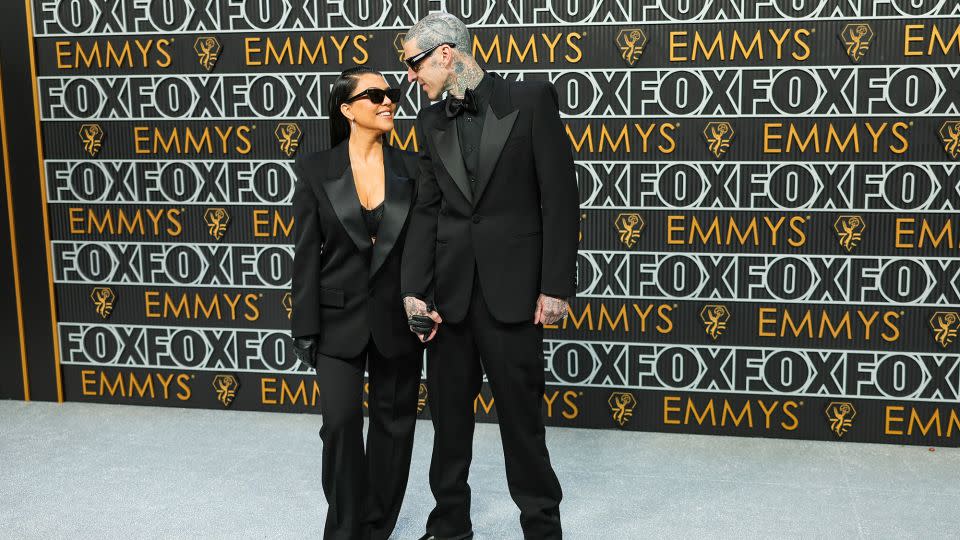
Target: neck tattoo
column 464, row 76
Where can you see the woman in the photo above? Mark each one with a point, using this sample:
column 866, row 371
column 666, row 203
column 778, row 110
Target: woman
column 350, row 214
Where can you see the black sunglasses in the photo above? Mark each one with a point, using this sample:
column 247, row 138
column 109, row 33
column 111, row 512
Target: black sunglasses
column 414, row 61
column 376, row 95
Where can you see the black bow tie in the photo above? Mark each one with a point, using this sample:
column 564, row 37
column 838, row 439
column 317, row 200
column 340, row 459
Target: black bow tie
column 456, row 105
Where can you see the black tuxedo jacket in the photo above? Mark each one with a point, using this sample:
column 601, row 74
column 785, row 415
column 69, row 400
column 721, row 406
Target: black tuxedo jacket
column 345, row 288
column 518, row 226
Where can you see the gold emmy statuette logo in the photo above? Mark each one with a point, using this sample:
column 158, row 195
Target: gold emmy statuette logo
column 226, row 387
column 840, row 414
column 208, row 51
column 103, row 299
column 719, row 135
column 92, row 137
column 621, row 405
column 287, row 302
column 629, row 225
column 856, row 37
column 288, row 133
column 950, row 135
column 850, row 230
column 632, row 42
column 945, row 325
column 398, row 44
column 217, row 220
column 715, row 319
column 422, row 398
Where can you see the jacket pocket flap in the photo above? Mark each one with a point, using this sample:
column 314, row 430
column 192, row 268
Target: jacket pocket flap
column 331, row 297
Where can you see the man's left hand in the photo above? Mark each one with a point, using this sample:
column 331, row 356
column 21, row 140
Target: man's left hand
column 550, row 310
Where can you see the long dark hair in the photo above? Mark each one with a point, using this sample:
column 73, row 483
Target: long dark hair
column 342, row 89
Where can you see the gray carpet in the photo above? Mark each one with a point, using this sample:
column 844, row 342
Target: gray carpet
column 109, row 471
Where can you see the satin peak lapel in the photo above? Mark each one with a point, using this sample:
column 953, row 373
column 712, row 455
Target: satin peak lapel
column 343, row 196
column 447, row 143
column 494, row 136
column 396, row 206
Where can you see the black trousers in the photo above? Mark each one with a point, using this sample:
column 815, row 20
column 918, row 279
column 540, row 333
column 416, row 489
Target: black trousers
column 364, row 489
column 513, row 360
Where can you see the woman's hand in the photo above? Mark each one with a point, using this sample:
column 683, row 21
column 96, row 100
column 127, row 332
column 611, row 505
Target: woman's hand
column 305, row 349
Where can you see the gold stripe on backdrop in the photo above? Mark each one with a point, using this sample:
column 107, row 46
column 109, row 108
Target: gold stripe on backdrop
column 43, row 192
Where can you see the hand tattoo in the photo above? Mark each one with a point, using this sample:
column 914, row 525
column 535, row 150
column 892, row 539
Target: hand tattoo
column 554, row 309
column 414, row 306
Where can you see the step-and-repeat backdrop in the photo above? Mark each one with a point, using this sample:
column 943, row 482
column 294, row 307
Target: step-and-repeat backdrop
column 770, row 240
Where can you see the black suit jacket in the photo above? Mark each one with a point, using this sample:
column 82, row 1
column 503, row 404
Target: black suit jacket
column 518, row 226
column 345, row 288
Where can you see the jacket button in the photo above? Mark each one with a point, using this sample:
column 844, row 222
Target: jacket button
column 476, row 219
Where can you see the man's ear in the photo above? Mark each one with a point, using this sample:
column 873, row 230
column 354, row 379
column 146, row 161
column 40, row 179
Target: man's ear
column 448, row 56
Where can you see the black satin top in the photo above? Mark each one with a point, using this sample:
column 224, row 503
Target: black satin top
column 372, row 219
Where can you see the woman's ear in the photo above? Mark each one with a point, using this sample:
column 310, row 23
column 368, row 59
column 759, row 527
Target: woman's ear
column 346, row 112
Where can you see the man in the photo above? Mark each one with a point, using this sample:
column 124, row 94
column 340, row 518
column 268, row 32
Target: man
column 493, row 242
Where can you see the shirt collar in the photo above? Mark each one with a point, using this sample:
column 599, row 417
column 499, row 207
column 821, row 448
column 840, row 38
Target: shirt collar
column 483, row 90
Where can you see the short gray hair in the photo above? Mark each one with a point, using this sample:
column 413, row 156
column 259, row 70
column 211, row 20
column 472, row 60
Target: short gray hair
column 437, row 28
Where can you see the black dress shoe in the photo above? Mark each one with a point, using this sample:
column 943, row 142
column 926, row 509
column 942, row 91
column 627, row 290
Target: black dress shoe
column 429, row 536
